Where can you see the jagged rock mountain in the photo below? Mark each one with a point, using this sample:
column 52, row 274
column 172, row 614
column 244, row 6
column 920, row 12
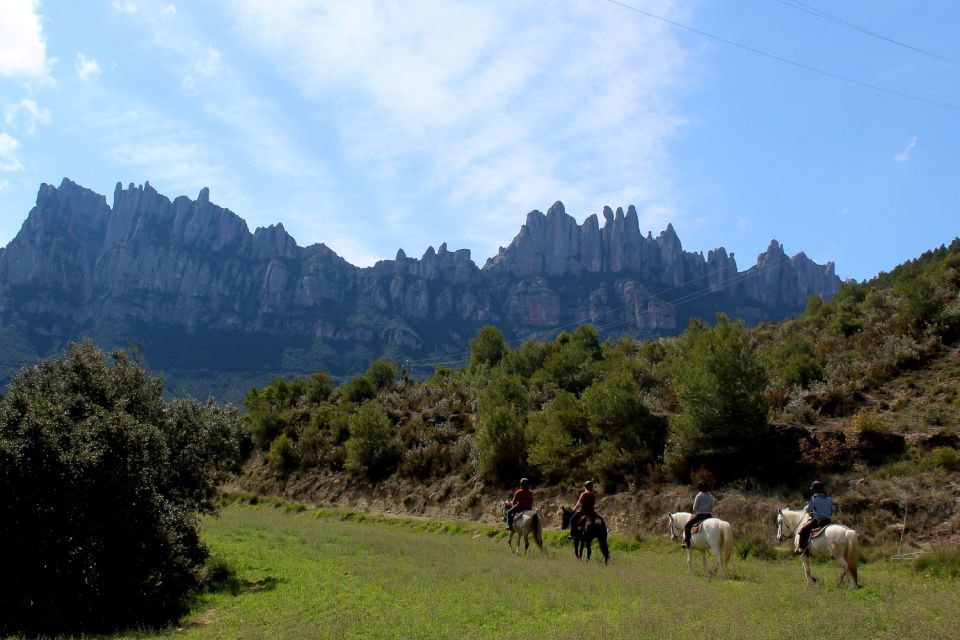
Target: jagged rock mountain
column 218, row 308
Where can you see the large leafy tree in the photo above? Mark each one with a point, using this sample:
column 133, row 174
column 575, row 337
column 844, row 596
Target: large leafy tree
column 722, row 423
column 101, row 482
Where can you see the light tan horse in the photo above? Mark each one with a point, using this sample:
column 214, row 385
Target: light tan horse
column 715, row 534
column 837, row 541
column 524, row 523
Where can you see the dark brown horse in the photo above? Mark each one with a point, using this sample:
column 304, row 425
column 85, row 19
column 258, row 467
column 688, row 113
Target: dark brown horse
column 586, row 529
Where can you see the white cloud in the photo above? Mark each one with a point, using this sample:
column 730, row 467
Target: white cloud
column 170, row 9
column 86, row 66
column 25, row 116
column 904, row 154
column 8, row 148
column 128, row 7
column 203, row 66
column 23, row 50
column 489, row 110
column 742, row 223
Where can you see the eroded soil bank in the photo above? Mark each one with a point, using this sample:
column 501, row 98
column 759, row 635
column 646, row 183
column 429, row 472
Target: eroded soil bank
column 876, row 507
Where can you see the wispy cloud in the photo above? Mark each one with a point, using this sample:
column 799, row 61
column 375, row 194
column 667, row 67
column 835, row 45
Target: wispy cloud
column 86, row 67
column 203, row 66
column 23, row 49
column 25, row 116
column 126, row 6
column 169, row 9
column 489, row 110
column 8, row 149
column 904, row 154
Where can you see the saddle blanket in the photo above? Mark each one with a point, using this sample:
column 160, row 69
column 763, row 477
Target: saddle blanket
column 696, row 528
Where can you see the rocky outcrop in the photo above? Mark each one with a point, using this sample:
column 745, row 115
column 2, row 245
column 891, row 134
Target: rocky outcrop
column 190, row 283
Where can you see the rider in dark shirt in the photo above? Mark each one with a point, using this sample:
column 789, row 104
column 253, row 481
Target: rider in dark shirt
column 819, row 510
column 522, row 500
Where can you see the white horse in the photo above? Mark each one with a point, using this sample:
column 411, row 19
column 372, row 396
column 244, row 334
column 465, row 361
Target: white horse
column 524, row 523
column 715, row 534
column 837, row 541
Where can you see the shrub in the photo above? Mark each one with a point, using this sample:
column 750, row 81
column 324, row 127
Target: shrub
column 282, row 455
column 943, row 562
column 488, row 348
column 101, row 482
column 723, row 413
column 946, row 458
column 372, row 449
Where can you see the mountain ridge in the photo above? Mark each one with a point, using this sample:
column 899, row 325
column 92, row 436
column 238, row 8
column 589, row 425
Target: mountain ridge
column 180, row 277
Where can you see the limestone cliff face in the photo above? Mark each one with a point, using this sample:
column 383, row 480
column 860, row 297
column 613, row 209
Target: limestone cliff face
column 189, row 281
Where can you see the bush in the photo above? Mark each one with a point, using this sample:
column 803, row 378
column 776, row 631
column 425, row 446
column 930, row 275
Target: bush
column 372, row 449
column 282, row 455
column 946, row 458
column 944, row 563
column 101, row 482
column 723, row 413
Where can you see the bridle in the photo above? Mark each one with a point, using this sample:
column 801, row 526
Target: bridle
column 780, row 536
column 673, row 527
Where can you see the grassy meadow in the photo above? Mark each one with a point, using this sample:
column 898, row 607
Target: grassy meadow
column 325, row 574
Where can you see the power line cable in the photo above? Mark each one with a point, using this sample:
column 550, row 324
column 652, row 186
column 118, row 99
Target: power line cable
column 806, row 8
column 794, row 63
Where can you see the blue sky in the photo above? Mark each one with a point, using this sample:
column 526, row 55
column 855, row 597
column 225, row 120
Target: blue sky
column 372, row 126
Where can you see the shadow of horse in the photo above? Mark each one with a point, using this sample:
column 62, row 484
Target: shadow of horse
column 586, row 529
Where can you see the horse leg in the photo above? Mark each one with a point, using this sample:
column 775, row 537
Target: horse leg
column 589, row 544
column 706, row 567
column 842, row 559
column 526, row 543
column 689, row 561
column 805, row 562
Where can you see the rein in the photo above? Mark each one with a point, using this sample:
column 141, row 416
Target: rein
column 780, row 528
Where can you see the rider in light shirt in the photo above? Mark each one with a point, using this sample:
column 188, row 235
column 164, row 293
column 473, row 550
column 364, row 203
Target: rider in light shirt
column 702, row 509
column 522, row 501
column 820, row 509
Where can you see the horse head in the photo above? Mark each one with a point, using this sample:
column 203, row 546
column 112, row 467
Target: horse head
column 780, row 534
column 565, row 515
column 673, row 527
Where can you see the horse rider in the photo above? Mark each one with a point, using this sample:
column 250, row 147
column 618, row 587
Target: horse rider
column 586, row 505
column 702, row 509
column 819, row 510
column 522, row 501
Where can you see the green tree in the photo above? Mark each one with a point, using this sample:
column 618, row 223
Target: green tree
column 722, row 423
column 101, row 481
column 372, row 449
column 381, row 374
column 556, row 437
column 501, row 445
column 488, row 348
column 630, row 436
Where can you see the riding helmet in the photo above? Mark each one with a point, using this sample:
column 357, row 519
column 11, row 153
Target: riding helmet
column 588, row 484
column 524, row 483
column 702, row 485
column 817, row 487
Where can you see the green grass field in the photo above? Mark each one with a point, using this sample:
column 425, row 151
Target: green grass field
column 306, row 574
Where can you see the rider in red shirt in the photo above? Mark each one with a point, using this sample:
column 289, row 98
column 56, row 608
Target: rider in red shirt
column 586, row 504
column 522, row 501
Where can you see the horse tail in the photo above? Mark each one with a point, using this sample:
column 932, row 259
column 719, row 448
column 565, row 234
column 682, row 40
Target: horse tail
column 853, row 552
column 537, row 529
column 727, row 541
column 602, row 540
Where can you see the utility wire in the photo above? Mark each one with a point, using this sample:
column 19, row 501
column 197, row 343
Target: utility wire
column 801, row 6
column 772, row 56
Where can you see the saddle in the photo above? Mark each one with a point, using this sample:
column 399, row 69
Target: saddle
column 696, row 528
column 816, row 533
